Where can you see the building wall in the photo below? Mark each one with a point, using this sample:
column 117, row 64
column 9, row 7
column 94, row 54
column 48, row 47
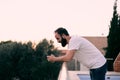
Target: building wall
column 99, row 42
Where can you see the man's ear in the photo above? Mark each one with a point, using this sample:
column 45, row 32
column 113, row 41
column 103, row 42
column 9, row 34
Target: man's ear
column 63, row 35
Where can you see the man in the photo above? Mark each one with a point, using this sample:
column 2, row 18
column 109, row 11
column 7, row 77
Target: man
column 84, row 51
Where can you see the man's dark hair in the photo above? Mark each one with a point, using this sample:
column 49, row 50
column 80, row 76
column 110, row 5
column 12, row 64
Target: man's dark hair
column 61, row 31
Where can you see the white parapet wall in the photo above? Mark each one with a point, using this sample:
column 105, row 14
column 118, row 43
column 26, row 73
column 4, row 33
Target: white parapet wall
column 73, row 75
column 63, row 75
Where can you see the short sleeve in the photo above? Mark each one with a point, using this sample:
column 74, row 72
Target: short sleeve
column 74, row 43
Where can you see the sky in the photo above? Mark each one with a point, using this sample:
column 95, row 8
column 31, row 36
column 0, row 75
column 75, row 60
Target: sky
column 34, row 20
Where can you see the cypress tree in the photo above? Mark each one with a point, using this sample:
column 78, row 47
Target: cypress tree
column 113, row 38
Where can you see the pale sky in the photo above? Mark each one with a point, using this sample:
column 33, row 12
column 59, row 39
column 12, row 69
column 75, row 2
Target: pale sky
column 24, row 20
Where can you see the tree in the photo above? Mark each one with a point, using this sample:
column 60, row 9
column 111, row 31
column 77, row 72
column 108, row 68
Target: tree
column 6, row 64
column 46, row 70
column 22, row 61
column 113, row 38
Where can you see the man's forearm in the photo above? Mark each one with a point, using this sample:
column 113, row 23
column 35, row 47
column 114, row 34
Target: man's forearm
column 62, row 58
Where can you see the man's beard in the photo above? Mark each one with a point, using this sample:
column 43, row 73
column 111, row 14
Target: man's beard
column 63, row 42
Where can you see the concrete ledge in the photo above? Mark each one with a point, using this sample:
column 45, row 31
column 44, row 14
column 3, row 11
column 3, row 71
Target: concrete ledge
column 73, row 74
column 63, row 75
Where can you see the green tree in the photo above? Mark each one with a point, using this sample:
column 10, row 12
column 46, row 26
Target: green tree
column 26, row 62
column 46, row 70
column 113, row 38
column 22, row 61
column 6, row 67
column 15, row 60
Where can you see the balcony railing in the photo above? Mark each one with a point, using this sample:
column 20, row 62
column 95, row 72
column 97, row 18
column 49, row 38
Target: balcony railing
column 63, row 75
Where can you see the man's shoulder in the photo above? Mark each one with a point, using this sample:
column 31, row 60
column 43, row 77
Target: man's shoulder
column 76, row 37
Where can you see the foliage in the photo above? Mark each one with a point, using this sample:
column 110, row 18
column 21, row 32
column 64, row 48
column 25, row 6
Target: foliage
column 113, row 38
column 21, row 61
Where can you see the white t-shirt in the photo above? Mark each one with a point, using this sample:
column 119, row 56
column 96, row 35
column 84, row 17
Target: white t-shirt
column 86, row 53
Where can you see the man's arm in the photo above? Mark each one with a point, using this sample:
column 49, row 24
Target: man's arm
column 63, row 51
column 67, row 57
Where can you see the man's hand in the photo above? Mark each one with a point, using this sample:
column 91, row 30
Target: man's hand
column 67, row 57
column 51, row 58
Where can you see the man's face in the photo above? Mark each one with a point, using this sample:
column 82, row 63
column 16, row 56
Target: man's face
column 60, row 39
